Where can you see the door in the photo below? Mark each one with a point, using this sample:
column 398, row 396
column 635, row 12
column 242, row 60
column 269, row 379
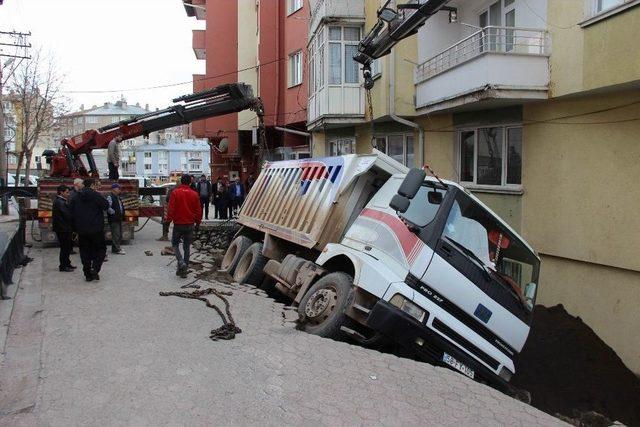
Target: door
column 491, row 17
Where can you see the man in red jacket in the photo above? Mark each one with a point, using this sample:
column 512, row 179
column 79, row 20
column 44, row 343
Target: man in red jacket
column 185, row 212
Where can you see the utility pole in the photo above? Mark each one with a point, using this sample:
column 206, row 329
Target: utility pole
column 17, row 41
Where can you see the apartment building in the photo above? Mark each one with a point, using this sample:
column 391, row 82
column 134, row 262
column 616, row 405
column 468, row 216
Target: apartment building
column 340, row 118
column 97, row 117
column 264, row 45
column 158, row 160
column 534, row 106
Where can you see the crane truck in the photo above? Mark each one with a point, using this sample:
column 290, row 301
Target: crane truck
column 66, row 164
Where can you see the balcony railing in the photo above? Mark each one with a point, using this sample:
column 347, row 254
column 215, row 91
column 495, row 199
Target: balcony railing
column 492, row 39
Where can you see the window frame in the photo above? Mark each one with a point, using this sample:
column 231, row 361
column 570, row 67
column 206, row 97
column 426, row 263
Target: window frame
column 405, row 153
column 593, row 15
column 503, row 187
column 293, row 6
column 295, row 75
column 335, row 141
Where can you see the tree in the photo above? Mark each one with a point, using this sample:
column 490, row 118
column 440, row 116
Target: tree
column 36, row 87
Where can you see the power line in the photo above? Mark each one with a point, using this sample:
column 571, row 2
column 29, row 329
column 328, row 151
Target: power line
column 178, row 83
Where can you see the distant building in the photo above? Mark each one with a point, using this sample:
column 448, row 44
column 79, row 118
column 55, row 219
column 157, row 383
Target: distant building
column 159, row 160
column 97, row 117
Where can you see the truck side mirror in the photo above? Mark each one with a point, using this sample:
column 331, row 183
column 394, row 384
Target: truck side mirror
column 412, row 183
column 530, row 294
column 399, row 203
column 434, row 197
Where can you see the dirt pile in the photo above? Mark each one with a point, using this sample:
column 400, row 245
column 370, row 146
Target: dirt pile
column 570, row 371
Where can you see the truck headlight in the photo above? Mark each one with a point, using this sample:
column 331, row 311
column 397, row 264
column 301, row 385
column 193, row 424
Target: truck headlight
column 408, row 307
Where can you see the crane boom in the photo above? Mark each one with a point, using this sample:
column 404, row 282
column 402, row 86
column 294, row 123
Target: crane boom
column 221, row 100
column 392, row 27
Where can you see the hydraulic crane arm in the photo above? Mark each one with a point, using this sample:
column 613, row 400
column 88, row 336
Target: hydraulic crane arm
column 392, row 27
column 224, row 99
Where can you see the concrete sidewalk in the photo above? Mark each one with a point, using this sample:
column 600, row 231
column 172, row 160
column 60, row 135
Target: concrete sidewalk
column 114, row 352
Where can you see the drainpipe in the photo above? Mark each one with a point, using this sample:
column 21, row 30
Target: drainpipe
column 392, row 105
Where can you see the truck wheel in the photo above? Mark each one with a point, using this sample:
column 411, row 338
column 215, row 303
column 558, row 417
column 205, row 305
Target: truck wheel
column 235, row 251
column 249, row 268
column 322, row 309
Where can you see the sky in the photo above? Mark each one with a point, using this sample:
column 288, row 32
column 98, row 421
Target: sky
column 112, row 45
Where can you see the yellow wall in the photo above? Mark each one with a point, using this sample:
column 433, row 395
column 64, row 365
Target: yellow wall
column 598, row 55
column 404, row 87
column 581, row 197
column 438, row 149
column 605, row 298
column 247, row 54
column 319, row 142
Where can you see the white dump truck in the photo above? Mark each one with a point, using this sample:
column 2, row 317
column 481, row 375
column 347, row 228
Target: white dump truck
column 370, row 250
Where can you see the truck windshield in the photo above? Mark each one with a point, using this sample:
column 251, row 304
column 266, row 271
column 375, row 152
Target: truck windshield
column 500, row 251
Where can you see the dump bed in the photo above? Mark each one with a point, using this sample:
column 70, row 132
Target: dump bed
column 310, row 202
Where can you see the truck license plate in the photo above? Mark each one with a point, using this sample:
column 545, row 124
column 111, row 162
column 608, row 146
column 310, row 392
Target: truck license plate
column 457, row 365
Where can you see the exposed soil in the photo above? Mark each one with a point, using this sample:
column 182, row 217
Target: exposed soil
column 570, row 371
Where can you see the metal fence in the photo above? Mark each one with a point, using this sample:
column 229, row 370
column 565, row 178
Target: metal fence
column 491, row 39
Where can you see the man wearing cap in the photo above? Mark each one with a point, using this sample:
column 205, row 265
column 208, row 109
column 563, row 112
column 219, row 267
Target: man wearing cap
column 115, row 215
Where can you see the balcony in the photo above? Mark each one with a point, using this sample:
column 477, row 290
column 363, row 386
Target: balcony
column 196, row 8
column 198, row 44
column 321, row 10
column 505, row 65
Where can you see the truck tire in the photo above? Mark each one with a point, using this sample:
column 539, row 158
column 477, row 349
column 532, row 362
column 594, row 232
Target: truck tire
column 322, row 308
column 234, row 252
column 249, row 270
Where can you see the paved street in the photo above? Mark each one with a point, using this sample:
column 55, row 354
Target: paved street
column 116, row 353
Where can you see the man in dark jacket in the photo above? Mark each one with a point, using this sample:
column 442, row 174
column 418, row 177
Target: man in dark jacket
column 87, row 211
column 62, row 226
column 203, row 187
column 115, row 215
column 185, row 212
column 220, row 199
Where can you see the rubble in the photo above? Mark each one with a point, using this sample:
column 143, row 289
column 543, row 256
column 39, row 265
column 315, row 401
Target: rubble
column 570, row 371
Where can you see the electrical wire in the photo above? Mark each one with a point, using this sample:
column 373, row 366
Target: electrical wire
column 178, row 83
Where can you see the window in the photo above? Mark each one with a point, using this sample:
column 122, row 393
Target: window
column 341, row 44
column 602, row 5
column 295, row 69
column 340, row 147
column 92, row 119
column 147, row 155
column 423, row 208
column 491, row 156
column 147, row 167
column 397, row 146
column 376, row 68
column 293, row 6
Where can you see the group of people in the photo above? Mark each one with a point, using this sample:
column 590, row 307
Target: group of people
column 80, row 210
column 226, row 198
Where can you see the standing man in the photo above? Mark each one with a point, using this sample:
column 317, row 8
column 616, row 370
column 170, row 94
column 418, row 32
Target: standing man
column 237, row 196
column 220, row 199
column 204, row 190
column 115, row 215
column 165, row 223
column 77, row 187
column 249, row 183
column 61, row 223
column 87, row 211
column 185, row 212
column 113, row 157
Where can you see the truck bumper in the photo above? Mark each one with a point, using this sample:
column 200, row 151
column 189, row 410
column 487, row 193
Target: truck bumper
column 408, row 332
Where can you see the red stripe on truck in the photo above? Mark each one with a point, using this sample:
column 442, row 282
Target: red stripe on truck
column 410, row 243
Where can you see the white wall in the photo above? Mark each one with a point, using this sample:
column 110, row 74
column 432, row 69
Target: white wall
column 438, row 34
column 510, row 71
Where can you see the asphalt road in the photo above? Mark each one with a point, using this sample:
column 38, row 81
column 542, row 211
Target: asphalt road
column 114, row 352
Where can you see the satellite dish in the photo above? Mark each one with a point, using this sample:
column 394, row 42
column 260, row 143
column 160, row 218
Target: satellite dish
column 223, row 147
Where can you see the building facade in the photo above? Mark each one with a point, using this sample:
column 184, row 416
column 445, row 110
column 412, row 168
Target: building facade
column 158, row 161
column 96, row 117
column 264, row 45
column 534, row 107
column 341, row 118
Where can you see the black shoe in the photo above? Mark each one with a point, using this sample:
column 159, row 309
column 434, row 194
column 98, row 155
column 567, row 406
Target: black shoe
column 66, row 269
column 184, row 273
column 96, row 276
column 73, row 253
column 72, row 266
column 88, row 278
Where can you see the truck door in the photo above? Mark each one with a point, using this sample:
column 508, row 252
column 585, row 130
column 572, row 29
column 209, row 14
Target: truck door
column 481, row 268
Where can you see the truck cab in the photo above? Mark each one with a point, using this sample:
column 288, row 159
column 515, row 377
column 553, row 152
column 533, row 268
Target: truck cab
column 454, row 282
